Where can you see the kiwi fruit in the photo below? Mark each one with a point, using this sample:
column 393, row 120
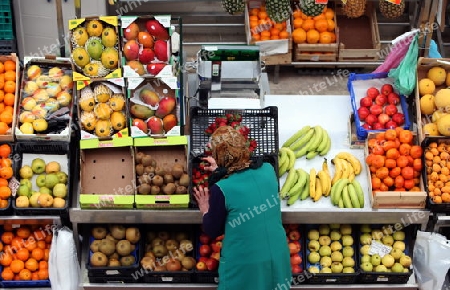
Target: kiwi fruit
column 177, row 170
column 133, row 235
column 184, row 180
column 158, row 180
column 98, row 259
column 114, row 263
column 146, row 160
column 127, row 260
column 107, row 247
column 180, row 190
column 139, row 169
column 155, row 190
column 94, row 245
column 169, row 188
column 160, row 171
column 144, row 188
column 99, row 233
column 123, row 247
column 168, row 178
column 138, row 157
column 144, row 179
column 149, row 169
column 118, row 231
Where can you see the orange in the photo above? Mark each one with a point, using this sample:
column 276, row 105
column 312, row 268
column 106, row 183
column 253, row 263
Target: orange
column 5, row 162
column 38, row 254
column 5, row 150
column 297, row 13
column 256, row 37
column 253, row 18
column 34, row 276
column 25, row 275
column 30, row 243
column 17, row 266
column 41, row 244
column 299, row 35
column 265, row 33
column 2, row 67
column 10, row 65
column 2, row 95
column 39, row 235
column 324, row 37
column 17, row 243
column 6, row 173
column 43, row 265
column 265, row 38
column 321, row 25
column 31, row 264
column 48, row 238
column 283, row 34
column 274, row 31
column 279, row 26
column 312, row 36
column 3, row 128
column 10, row 76
column 253, row 23
column 274, row 37
column 7, row 274
column 9, row 109
column 308, row 24
column 9, row 99
column 6, row 259
column 6, row 117
column 22, row 254
column 2, row 106
column 46, row 253
column 331, row 25
column 319, row 17
column 333, row 37
column 329, row 13
column 43, row 274
column 262, row 14
column 298, row 22
column 9, row 87
column 254, row 11
column 23, row 232
column 7, row 238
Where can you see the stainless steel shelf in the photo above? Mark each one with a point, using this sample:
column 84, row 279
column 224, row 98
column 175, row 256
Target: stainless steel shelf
column 29, row 220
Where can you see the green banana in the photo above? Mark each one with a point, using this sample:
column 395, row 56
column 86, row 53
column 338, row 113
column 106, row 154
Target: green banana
column 305, row 192
column 288, row 183
column 315, row 141
column 341, row 203
column 292, row 158
column 353, row 196
column 346, row 198
column 323, row 142
column 303, row 140
column 327, row 147
column 301, row 152
column 311, row 154
column 284, row 162
column 296, row 136
column 359, row 192
column 301, row 181
column 282, row 158
column 339, row 188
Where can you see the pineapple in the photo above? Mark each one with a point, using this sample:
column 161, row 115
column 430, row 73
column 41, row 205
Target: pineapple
column 354, row 8
column 234, row 7
column 278, row 10
column 310, row 8
column 390, row 10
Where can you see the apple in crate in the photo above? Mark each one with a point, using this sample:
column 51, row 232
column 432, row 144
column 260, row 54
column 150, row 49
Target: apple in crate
column 371, row 119
column 376, row 109
column 386, row 89
column 372, row 92
column 393, row 98
column 363, row 112
column 390, row 125
column 366, row 102
column 390, row 110
column 381, row 100
column 398, row 118
column 383, row 118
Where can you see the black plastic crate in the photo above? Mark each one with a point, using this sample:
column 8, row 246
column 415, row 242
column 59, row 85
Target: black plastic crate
column 8, row 210
column 7, row 46
column 207, row 276
column 44, row 148
column 300, row 277
column 169, row 277
column 263, row 125
column 387, row 277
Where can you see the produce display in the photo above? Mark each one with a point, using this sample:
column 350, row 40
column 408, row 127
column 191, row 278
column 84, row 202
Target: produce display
column 103, row 110
column 295, row 242
column 114, row 246
column 208, row 253
column 437, row 168
column 46, row 97
column 8, row 87
column 24, row 253
column 320, row 28
column 94, row 46
column 6, row 173
column 394, row 161
column 263, row 27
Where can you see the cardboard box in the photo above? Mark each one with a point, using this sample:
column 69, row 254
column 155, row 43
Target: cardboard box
column 106, row 21
column 9, row 136
column 165, row 67
column 165, row 152
column 165, row 89
column 46, row 92
column 365, row 47
column 107, row 178
column 117, row 137
column 394, row 199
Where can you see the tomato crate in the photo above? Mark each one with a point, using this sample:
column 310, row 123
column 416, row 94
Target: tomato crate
column 262, row 125
column 432, row 203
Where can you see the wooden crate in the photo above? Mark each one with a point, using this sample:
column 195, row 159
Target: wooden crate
column 394, row 199
column 423, row 65
column 365, row 47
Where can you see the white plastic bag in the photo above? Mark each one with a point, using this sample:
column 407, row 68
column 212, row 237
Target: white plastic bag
column 431, row 260
column 64, row 269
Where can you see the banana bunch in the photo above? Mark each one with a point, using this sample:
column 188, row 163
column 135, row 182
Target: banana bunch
column 347, row 166
column 320, row 182
column 286, row 160
column 296, row 186
column 347, row 194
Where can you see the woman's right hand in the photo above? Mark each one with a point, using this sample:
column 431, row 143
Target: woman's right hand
column 212, row 165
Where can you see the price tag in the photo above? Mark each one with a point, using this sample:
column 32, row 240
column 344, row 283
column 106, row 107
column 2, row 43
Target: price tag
column 378, row 248
column 396, row 2
column 105, row 144
column 322, row 1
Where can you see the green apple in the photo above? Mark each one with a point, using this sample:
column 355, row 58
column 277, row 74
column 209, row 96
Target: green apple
column 397, row 268
column 27, row 182
column 335, row 235
column 38, row 165
column 348, row 251
column 405, row 270
column 366, row 267
column 44, row 189
column 337, row 256
column 387, row 230
column 34, row 199
column 348, row 270
column 399, row 236
column 387, row 240
column 51, row 180
column 40, row 180
column 313, row 257
column 348, row 262
column 62, row 176
column 325, row 262
column 313, row 235
column 336, row 246
column 396, row 253
column 346, row 229
column 326, row 270
column 347, row 240
column 399, row 245
column 60, row 190
column 313, row 245
column 365, row 259
column 365, row 228
column 365, row 239
column 405, row 261
column 324, row 230
column 381, row 268
column 26, row 172
column 377, row 235
column 22, row 201
column 388, row 260
column 24, row 190
column 325, row 251
column 313, row 269
column 364, row 250
column 324, row 240
column 375, row 260
column 336, row 267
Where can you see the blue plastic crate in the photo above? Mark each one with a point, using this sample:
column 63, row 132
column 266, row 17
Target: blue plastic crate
column 360, row 131
column 23, row 284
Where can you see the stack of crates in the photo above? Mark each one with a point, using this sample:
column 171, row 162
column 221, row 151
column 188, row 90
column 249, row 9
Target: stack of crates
column 7, row 39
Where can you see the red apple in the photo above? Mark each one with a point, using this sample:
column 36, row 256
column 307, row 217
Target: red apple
column 390, row 109
column 173, row 265
column 203, row 259
column 212, row 264
column 216, row 255
column 216, row 246
column 371, row 119
column 372, row 92
column 386, row 89
column 383, row 118
column 204, row 239
column 393, row 98
column 296, row 259
column 296, row 269
column 297, row 243
column 381, row 100
column 376, row 109
column 377, row 126
column 294, row 235
column 366, row 102
column 398, row 118
column 367, row 126
column 205, row 250
column 363, row 112
column 201, row 266
column 390, row 125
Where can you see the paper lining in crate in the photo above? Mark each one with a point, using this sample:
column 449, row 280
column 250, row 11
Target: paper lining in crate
column 272, row 51
column 95, row 48
column 423, row 66
column 394, row 198
column 161, row 173
column 365, row 47
column 9, row 135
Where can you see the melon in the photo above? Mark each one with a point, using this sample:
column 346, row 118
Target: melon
column 437, row 75
column 427, row 106
column 442, row 100
column 443, row 125
column 426, row 86
column 430, row 129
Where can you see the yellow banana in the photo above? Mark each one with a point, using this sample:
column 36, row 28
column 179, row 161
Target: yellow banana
column 351, row 174
column 325, row 166
column 345, row 167
column 319, row 191
column 325, row 181
column 352, row 159
column 312, row 183
column 338, row 171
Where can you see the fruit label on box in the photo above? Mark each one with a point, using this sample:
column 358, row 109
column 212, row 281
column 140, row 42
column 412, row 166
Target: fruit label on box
column 323, row 2
column 13, row 185
column 127, row 20
column 379, row 248
column 396, row 2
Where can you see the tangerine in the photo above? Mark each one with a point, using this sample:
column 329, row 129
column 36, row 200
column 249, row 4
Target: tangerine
column 5, row 162
column 22, row 254
column 5, row 150
column 6, row 259
column 308, row 24
column 25, row 275
column 2, row 67
column 7, row 237
column 31, row 264
column 329, row 13
column 9, row 65
column 7, row 274
column 7, row 173
column 6, row 117
column 321, row 25
column 312, row 36
column 325, row 37
column 17, row 266
column 43, row 274
column 284, row 34
column 43, row 265
column 38, row 254
column 30, row 243
column 3, row 128
column 23, row 232
column 10, row 76
column 9, row 100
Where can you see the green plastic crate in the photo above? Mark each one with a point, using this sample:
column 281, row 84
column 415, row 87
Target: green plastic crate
column 6, row 20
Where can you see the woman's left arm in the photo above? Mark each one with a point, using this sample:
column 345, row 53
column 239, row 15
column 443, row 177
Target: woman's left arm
column 214, row 219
